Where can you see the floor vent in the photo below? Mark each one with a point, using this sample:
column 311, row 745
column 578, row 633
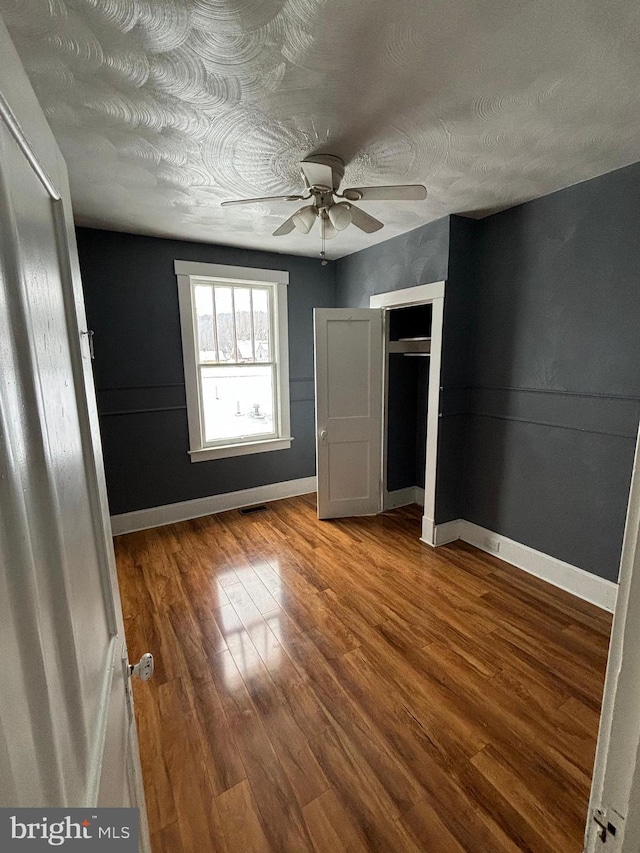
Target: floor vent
column 249, row 510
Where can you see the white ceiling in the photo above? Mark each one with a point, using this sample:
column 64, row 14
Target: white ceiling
column 163, row 108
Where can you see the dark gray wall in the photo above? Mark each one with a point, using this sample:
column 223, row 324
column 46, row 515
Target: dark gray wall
column 402, row 422
column 132, row 306
column 556, row 379
column 455, row 377
column 417, row 257
column 407, row 421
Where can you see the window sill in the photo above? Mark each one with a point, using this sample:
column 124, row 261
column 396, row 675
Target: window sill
column 208, row 453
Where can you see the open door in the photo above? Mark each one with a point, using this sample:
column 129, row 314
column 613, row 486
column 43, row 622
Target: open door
column 613, row 823
column 67, row 733
column 348, row 365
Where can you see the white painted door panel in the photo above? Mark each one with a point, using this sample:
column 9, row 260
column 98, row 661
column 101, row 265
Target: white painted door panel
column 615, row 788
column 348, row 358
column 67, row 736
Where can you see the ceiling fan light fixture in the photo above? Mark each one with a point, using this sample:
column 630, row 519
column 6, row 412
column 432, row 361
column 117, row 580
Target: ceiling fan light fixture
column 304, row 218
column 340, row 215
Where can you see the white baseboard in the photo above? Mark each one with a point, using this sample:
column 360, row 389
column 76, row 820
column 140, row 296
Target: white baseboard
column 447, row 532
column 404, row 497
column 156, row 516
column 580, row 583
column 428, row 531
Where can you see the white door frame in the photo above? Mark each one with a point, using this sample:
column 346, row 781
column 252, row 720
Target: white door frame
column 424, row 294
column 615, row 789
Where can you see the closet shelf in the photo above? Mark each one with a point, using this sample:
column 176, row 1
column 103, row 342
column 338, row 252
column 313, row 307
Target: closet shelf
column 421, row 346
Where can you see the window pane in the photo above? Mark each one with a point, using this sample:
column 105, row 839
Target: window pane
column 244, row 337
column 226, row 326
column 261, row 325
column 237, row 402
column 204, row 322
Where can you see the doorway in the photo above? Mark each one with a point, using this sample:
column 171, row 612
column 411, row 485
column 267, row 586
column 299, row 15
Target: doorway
column 429, row 299
column 408, row 351
column 351, row 360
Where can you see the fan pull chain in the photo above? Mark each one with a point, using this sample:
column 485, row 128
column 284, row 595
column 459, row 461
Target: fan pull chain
column 322, row 253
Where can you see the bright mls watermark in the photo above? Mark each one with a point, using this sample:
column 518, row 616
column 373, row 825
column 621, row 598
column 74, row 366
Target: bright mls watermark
column 102, row 830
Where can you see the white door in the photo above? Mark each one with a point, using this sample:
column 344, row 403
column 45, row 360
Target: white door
column 613, row 823
column 67, row 736
column 348, row 365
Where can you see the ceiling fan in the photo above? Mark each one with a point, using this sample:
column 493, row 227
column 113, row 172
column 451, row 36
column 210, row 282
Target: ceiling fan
column 322, row 174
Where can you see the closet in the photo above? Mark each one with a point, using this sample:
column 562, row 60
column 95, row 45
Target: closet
column 408, row 347
column 377, row 384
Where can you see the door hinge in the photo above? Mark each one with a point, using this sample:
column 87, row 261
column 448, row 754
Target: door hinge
column 89, row 333
column 607, row 825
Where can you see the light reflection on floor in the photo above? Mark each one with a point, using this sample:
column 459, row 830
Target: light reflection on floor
column 251, row 633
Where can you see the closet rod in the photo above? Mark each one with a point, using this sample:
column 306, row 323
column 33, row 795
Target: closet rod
column 416, row 354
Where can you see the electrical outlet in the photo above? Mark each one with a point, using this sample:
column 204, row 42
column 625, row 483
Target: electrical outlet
column 492, row 543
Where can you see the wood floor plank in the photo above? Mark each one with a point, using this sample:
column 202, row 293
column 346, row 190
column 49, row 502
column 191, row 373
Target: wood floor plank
column 216, row 740
column 158, row 789
column 543, row 831
column 167, row 840
column 280, row 815
column 240, row 821
column 340, row 686
column 196, row 812
column 366, row 801
column 427, row 829
column 330, row 827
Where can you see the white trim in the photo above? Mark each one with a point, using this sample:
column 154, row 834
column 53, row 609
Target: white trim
column 225, row 273
column 208, row 453
column 273, row 281
column 580, row 583
column 281, row 378
column 188, row 333
column 447, row 532
column 13, row 126
column 433, row 407
column 422, row 294
column 428, row 531
column 408, row 295
column 156, row 516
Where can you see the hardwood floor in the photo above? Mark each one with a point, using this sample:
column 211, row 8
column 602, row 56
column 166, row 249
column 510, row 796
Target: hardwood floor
column 340, row 686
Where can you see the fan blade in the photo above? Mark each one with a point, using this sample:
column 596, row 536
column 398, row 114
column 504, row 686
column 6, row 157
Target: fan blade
column 286, row 227
column 406, row 192
column 363, row 221
column 265, row 199
column 317, row 174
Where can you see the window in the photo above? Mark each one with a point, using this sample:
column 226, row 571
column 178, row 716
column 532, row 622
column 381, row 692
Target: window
column 235, row 350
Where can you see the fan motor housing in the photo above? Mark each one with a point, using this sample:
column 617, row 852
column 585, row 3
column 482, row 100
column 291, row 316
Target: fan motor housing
column 334, row 163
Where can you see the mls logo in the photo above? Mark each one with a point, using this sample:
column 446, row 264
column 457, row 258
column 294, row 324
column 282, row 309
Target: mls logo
column 102, row 830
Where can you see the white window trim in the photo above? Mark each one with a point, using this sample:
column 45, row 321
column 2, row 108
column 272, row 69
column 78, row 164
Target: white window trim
column 185, row 272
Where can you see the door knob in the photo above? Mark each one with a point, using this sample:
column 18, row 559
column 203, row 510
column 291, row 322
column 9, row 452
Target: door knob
column 323, row 436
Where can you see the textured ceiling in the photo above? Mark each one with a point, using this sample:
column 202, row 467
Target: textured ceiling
column 163, row 108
